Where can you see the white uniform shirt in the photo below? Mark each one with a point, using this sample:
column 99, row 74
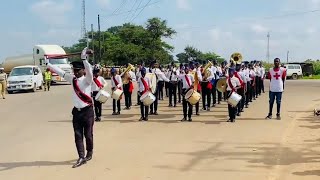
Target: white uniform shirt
column 160, row 74
column 102, row 82
column 246, row 72
column 84, row 82
column 198, row 71
column 243, row 76
column 141, row 85
column 258, row 71
column 118, row 79
column 185, row 84
column 173, row 75
column 252, row 74
column 263, row 71
column 276, row 84
column 234, row 81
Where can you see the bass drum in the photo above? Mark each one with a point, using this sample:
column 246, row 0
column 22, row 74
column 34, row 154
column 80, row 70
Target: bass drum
column 102, row 96
column 147, row 98
column 153, row 80
column 192, row 96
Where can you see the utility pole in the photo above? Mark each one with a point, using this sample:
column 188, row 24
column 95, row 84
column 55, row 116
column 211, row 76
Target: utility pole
column 99, row 34
column 268, row 48
column 287, row 57
column 92, row 43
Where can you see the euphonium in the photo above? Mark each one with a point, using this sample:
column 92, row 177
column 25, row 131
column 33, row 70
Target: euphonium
column 125, row 75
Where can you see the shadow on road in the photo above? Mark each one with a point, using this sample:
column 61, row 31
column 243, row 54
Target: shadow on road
column 12, row 165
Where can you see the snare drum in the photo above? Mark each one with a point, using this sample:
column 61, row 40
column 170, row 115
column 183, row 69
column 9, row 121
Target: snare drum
column 192, row 96
column 234, row 99
column 117, row 94
column 102, row 96
column 147, row 98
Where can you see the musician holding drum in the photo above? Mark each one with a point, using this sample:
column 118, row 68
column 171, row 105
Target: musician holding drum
column 173, row 84
column 97, row 85
column 187, row 84
column 233, row 84
column 116, row 87
column 144, row 87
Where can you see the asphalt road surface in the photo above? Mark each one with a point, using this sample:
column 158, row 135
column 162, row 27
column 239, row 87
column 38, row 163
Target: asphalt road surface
column 37, row 140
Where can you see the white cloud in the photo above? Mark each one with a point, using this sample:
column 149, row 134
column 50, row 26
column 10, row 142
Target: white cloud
column 258, row 28
column 183, row 4
column 103, row 3
column 52, row 12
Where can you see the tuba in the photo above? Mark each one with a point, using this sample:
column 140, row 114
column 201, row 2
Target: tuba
column 236, row 58
column 205, row 71
column 125, row 74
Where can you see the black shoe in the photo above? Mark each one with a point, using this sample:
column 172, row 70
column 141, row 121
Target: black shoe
column 114, row 113
column 229, row 120
column 213, row 105
column 170, row 105
column 146, row 119
column 183, row 119
column 278, row 117
column 79, row 162
column 198, row 114
column 238, row 114
column 269, row 116
column 175, row 105
column 190, row 120
column 155, row 113
column 89, row 155
column 118, row 113
column 141, row 119
column 219, row 102
column 151, row 113
column 208, row 109
column 246, row 106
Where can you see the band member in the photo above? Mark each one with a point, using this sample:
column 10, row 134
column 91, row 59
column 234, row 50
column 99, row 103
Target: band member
column 181, row 71
column 129, row 78
column 173, row 85
column 246, row 72
column 161, row 85
column 238, row 74
column 83, row 115
column 159, row 74
column 138, row 75
column 116, row 83
column 187, row 83
column 206, row 87
column 252, row 76
column 215, row 71
column 263, row 73
column 224, row 74
column 277, row 76
column 197, row 79
column 98, row 83
column 233, row 84
column 167, row 84
column 3, row 80
column 144, row 86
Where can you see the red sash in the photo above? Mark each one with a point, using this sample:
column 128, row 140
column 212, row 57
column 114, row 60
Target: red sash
column 146, row 87
column 230, row 84
column 82, row 96
column 209, row 86
column 115, row 81
column 97, row 82
column 188, row 80
column 241, row 81
column 199, row 87
column 131, row 87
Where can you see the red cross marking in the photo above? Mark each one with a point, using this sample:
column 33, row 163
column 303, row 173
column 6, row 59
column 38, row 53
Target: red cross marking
column 276, row 76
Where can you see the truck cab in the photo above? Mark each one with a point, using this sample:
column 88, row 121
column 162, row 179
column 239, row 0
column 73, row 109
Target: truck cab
column 40, row 52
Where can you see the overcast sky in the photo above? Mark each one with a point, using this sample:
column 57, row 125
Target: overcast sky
column 210, row 25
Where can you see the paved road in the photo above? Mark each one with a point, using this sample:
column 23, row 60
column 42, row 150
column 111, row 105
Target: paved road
column 37, row 141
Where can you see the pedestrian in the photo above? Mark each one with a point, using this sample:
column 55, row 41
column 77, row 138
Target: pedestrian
column 277, row 77
column 47, row 79
column 3, row 82
column 83, row 115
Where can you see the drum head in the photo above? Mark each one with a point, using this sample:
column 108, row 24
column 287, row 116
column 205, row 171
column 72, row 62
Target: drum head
column 144, row 95
column 189, row 93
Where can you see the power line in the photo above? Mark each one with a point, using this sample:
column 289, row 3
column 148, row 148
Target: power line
column 134, row 4
column 263, row 18
column 141, row 10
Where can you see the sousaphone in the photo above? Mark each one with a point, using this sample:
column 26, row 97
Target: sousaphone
column 222, row 85
column 236, row 58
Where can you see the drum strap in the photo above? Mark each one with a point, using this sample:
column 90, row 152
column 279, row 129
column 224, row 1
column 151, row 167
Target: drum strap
column 230, row 84
column 237, row 76
column 146, row 87
column 82, row 96
column 188, row 80
column 97, row 82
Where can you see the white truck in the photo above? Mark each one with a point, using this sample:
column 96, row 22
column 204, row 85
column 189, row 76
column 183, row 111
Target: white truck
column 38, row 59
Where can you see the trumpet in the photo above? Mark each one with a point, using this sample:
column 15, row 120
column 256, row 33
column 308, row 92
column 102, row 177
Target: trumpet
column 125, row 75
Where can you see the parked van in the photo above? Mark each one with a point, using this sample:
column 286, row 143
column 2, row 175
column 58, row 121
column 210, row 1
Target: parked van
column 25, row 78
column 294, row 71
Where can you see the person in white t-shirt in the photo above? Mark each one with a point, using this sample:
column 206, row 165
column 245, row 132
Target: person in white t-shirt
column 277, row 76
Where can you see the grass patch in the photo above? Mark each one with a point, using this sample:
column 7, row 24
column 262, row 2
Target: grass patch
column 312, row 77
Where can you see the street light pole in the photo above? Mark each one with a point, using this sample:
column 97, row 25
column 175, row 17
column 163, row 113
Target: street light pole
column 287, row 56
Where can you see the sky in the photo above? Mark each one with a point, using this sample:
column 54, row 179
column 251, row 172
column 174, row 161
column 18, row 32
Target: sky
column 217, row 26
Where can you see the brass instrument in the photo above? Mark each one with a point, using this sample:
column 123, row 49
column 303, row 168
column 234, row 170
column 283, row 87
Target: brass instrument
column 125, row 75
column 236, row 58
column 196, row 79
column 205, row 71
column 222, row 85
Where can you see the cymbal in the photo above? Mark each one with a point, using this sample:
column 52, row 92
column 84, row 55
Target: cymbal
column 222, row 85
